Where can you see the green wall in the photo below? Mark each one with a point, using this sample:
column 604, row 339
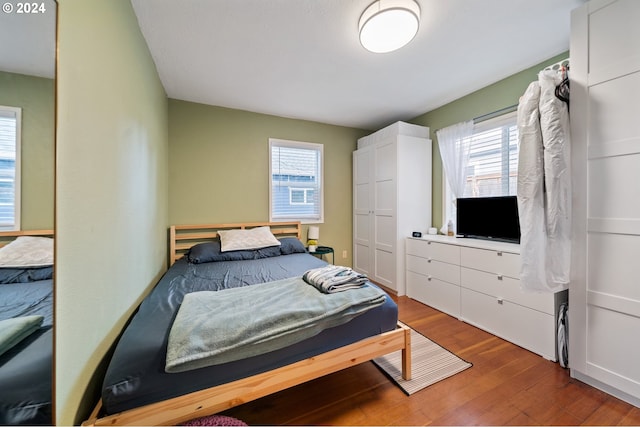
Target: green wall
column 495, row 97
column 111, row 190
column 35, row 95
column 218, row 163
column 219, row 168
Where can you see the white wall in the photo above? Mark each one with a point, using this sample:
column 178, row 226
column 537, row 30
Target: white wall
column 111, row 188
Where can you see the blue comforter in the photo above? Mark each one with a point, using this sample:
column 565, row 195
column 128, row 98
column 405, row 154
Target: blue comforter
column 26, row 368
column 136, row 375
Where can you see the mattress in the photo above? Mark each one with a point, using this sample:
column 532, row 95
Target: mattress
column 136, row 376
column 26, row 369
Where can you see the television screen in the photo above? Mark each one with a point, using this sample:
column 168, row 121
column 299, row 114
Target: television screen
column 493, row 218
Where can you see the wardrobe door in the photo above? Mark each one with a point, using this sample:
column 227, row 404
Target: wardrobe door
column 363, row 210
column 604, row 294
column 385, row 214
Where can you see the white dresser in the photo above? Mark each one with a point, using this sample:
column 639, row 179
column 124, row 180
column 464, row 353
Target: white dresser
column 478, row 282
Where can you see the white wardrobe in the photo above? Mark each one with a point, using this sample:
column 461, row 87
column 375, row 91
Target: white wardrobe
column 604, row 295
column 391, row 199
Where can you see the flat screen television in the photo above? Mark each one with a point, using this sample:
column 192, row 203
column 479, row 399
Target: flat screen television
column 494, row 218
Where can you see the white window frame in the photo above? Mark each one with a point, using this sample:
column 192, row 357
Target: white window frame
column 448, row 207
column 300, row 145
column 16, row 112
column 306, row 201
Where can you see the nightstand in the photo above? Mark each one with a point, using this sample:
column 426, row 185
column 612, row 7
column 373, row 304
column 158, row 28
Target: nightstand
column 324, row 250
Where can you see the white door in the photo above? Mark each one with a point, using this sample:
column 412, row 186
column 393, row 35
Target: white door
column 604, row 296
column 363, row 210
column 385, row 215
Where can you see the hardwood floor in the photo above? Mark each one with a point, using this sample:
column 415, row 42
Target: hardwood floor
column 507, row 385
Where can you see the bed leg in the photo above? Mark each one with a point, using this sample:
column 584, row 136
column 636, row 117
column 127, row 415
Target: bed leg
column 91, row 421
column 406, row 354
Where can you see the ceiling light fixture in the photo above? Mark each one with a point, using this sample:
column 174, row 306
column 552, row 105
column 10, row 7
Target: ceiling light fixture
column 387, row 25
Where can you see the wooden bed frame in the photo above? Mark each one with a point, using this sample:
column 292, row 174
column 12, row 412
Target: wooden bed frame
column 7, row 237
column 183, row 237
column 219, row 398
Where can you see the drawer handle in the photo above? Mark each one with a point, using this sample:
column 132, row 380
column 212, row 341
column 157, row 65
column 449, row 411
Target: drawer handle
column 500, row 301
column 428, row 259
column 429, row 278
column 499, row 276
column 499, row 253
column 428, row 242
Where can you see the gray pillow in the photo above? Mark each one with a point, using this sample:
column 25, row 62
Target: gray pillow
column 211, row 251
column 291, row 245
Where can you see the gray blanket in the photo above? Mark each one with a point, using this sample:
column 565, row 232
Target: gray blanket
column 12, row 331
column 218, row 327
column 334, row 278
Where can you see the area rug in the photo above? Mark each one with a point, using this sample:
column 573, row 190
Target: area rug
column 430, row 363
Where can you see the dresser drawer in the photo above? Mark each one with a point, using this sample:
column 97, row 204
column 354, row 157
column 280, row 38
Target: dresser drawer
column 504, row 263
column 436, row 293
column 507, row 289
column 433, row 250
column 436, row 269
column 525, row 327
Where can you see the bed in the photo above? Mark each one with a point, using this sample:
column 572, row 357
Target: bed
column 26, row 321
column 138, row 391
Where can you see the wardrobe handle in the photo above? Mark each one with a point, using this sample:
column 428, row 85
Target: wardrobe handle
column 499, row 276
column 500, row 301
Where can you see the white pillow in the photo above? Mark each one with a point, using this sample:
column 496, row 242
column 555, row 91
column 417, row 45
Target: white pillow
column 27, row 251
column 254, row 238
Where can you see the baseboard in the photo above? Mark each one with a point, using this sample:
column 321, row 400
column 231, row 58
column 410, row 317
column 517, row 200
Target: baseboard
column 606, row 388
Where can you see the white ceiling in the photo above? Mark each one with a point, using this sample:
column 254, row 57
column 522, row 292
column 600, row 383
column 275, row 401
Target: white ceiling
column 28, row 40
column 302, row 58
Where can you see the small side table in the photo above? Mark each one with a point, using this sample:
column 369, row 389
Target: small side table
column 324, row 250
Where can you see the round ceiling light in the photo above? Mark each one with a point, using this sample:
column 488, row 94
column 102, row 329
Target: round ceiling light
column 387, row 25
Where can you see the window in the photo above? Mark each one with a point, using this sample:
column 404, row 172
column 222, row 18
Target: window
column 492, row 169
column 10, row 168
column 295, row 192
column 301, row 196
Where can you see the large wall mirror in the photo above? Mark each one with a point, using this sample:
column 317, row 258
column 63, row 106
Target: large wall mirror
column 27, row 175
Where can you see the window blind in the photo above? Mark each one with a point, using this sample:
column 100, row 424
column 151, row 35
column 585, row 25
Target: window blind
column 493, row 161
column 9, row 128
column 492, row 169
column 296, row 181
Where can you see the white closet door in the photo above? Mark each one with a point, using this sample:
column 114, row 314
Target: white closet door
column 604, row 298
column 385, row 218
column 363, row 210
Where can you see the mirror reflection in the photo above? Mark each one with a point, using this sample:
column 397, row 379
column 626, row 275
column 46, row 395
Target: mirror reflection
column 27, row 143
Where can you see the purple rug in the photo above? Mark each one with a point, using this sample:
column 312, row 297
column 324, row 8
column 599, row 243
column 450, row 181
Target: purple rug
column 214, row 420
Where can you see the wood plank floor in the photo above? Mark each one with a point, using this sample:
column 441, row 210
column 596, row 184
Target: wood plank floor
column 507, row 385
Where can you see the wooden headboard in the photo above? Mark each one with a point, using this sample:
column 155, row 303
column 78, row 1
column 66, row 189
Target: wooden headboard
column 183, row 237
column 7, row 237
